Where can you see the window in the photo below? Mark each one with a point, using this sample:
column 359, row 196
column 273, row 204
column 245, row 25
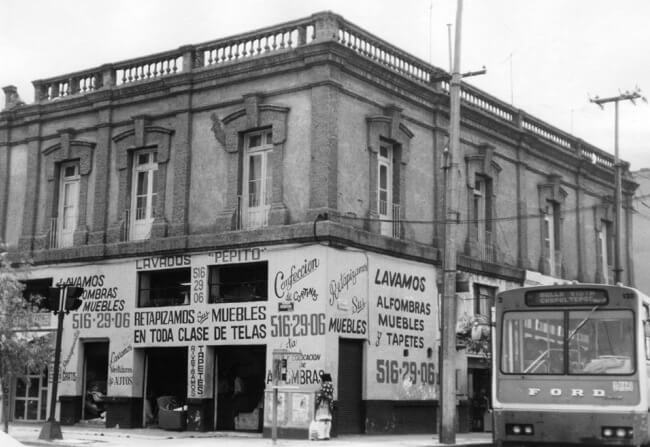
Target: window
column 144, row 194
column 238, row 282
column 30, row 402
column 37, row 288
column 164, row 288
column 551, row 234
column 482, row 212
column 605, row 242
column 533, row 344
column 255, row 202
column 646, row 330
column 601, row 342
column 387, row 209
column 585, row 342
column 483, row 299
column 68, row 210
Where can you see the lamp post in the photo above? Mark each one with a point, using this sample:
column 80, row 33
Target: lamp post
column 61, row 300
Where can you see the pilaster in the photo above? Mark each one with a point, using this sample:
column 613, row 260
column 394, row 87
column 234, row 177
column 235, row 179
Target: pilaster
column 324, row 147
column 102, row 159
column 26, row 241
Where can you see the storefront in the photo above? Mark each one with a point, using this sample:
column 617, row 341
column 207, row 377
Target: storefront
column 189, row 339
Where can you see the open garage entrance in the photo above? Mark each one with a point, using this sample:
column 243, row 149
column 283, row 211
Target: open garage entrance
column 240, row 387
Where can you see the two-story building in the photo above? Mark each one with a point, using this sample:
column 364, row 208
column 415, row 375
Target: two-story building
column 281, row 191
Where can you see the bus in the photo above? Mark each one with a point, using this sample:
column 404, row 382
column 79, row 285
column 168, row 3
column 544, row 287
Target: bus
column 570, row 366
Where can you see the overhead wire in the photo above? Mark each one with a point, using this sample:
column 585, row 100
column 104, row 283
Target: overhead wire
column 471, row 221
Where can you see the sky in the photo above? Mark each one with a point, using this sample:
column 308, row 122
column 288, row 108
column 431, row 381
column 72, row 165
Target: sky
column 546, row 57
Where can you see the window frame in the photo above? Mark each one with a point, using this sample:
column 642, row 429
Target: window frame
column 386, row 162
column 256, row 216
column 261, row 284
column 551, row 235
column 140, row 228
column 41, row 398
column 566, row 346
column 481, row 298
column 184, row 288
column 65, row 233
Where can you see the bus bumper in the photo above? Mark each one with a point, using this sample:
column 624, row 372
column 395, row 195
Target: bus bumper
column 541, row 427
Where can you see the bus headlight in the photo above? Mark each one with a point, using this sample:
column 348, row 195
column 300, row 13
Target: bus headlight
column 617, row 432
column 520, row 429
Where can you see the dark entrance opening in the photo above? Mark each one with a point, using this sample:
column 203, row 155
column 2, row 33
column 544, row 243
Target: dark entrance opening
column 95, row 380
column 240, row 387
column 350, row 414
column 166, row 380
column 479, row 394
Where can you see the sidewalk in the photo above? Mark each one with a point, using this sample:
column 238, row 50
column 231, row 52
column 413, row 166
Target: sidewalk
column 91, row 436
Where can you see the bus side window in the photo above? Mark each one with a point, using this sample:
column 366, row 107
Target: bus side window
column 646, row 331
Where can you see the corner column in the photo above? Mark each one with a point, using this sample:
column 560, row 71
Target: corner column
column 324, row 151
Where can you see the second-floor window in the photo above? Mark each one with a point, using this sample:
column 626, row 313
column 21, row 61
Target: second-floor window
column 551, row 233
column 68, row 204
column 482, row 204
column 606, row 250
column 144, row 193
column 385, row 188
column 255, row 202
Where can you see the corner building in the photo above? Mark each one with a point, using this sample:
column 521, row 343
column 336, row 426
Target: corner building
column 278, row 195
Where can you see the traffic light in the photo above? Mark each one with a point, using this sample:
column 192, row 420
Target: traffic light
column 52, row 302
column 72, row 300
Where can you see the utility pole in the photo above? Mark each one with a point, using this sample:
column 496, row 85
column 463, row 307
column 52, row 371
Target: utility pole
column 447, row 434
column 448, row 336
column 618, row 205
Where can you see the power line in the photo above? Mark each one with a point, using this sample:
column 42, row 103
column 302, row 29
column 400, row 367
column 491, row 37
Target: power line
column 470, row 221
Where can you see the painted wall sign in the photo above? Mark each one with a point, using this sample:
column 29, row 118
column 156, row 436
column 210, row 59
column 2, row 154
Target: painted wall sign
column 348, row 294
column 316, row 295
column 237, row 255
column 403, row 320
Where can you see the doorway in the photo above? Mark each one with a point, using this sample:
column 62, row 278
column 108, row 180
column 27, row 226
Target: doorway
column 165, row 375
column 479, row 379
column 240, row 387
column 350, row 412
column 95, row 380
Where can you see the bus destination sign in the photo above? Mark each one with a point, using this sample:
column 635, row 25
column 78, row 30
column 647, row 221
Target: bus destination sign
column 566, row 297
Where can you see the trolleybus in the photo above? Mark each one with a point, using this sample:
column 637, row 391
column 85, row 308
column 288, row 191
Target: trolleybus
column 571, row 365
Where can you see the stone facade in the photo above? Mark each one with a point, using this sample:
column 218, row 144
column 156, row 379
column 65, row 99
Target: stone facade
column 335, row 99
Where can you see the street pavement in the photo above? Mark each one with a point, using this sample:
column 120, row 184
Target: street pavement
column 90, row 436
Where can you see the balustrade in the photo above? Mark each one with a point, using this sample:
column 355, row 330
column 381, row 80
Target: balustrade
column 291, row 35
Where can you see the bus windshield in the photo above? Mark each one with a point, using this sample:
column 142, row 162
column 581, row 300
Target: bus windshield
column 593, row 342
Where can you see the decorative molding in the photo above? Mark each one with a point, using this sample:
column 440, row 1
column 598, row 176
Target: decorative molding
column 254, row 115
column 141, row 136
